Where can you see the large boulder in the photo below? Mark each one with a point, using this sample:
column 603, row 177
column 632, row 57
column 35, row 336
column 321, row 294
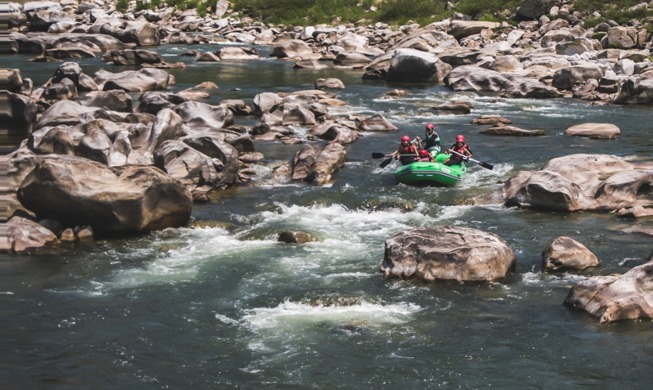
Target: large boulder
column 477, row 79
column 594, row 130
column 566, row 78
column 616, row 298
column 135, row 81
column 582, row 182
column 113, row 201
column 205, row 116
column 25, row 236
column 533, row 9
column 447, row 253
column 635, row 90
column 410, row 65
column 199, row 160
column 18, row 114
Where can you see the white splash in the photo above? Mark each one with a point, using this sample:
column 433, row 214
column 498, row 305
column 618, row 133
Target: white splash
column 293, row 315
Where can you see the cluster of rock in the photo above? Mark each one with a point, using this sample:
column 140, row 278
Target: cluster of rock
column 454, row 253
column 548, row 54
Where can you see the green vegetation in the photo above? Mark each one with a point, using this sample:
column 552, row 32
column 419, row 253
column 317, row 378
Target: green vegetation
column 621, row 11
column 202, row 6
column 303, row 12
column 396, row 12
column 121, row 5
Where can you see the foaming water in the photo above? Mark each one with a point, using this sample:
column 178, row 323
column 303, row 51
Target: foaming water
column 295, row 316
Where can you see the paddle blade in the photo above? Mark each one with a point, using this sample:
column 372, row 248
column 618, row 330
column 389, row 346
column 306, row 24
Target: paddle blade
column 486, row 165
column 377, row 155
column 385, row 162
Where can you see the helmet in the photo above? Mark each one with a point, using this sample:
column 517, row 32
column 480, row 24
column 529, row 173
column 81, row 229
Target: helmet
column 423, row 153
column 429, row 126
column 405, row 138
column 460, row 138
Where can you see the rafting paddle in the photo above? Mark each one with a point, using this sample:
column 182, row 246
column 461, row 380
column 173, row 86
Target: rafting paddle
column 385, row 162
column 379, row 155
column 481, row 163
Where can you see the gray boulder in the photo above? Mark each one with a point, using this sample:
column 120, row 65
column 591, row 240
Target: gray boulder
column 447, row 253
column 114, row 202
column 565, row 253
column 616, row 298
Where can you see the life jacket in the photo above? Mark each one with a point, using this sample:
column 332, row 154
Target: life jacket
column 410, row 149
column 464, row 147
column 407, row 154
column 431, row 140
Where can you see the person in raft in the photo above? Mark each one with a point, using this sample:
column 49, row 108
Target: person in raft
column 425, row 156
column 407, row 151
column 462, row 152
column 431, row 138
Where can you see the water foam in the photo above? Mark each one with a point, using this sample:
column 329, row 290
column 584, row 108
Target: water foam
column 296, row 315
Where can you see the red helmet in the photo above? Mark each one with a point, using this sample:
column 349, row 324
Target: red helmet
column 429, row 126
column 405, row 138
column 423, row 153
column 460, row 138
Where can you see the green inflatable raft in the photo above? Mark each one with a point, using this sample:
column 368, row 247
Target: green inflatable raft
column 431, row 173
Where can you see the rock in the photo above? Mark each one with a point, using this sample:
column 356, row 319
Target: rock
column 376, row 122
column 615, row 298
column 67, row 235
column 329, row 160
column 329, row 83
column 635, row 91
column 114, row 100
column 292, row 49
column 594, row 130
column 65, row 112
column 565, row 253
column 502, row 129
column 205, row 116
column 475, row 78
column 335, row 132
column 447, row 253
column 147, row 79
column 292, row 237
column 266, row 102
column 455, row 107
column 135, row 57
column 533, row 9
column 463, row 28
column 566, row 78
column 19, row 113
column 303, row 161
column 410, row 65
column 238, row 53
column 199, row 159
column 581, row 182
column 26, row 236
column 490, row 120
column 114, row 201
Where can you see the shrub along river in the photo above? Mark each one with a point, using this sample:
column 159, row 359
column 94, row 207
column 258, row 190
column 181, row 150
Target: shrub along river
column 227, row 306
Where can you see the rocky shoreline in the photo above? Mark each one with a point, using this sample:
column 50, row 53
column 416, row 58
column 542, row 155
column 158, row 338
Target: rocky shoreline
column 168, row 150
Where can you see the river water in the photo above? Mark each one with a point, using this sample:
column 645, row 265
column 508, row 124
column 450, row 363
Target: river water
column 226, row 306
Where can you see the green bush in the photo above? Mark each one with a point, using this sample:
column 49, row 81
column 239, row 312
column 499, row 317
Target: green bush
column 620, row 11
column 122, row 5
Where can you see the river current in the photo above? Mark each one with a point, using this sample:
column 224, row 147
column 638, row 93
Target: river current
column 227, row 306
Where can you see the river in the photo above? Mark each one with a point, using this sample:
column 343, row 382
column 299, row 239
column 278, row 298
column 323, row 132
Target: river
column 227, row 306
